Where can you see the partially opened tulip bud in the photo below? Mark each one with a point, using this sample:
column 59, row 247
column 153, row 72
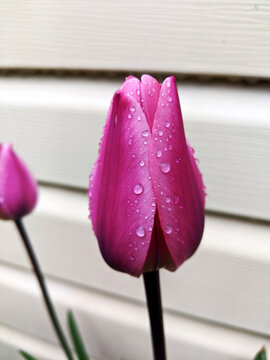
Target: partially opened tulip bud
column 146, row 192
column 18, row 188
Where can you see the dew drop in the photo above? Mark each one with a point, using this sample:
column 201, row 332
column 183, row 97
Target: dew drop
column 167, row 124
column 149, row 228
column 142, row 163
column 130, row 244
column 168, row 229
column 133, row 155
column 170, row 147
column 137, row 211
column 145, row 142
column 143, row 243
column 153, row 204
column 139, row 118
column 165, row 167
column 165, row 148
column 140, row 232
column 167, row 199
column 176, row 199
column 132, row 109
column 159, row 153
column 160, row 133
column 138, row 189
column 177, row 160
column 132, row 258
column 145, row 133
column 130, row 116
column 130, row 142
column 168, row 84
column 169, row 98
column 138, row 92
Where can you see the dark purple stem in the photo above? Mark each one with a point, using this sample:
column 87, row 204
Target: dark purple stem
column 152, row 290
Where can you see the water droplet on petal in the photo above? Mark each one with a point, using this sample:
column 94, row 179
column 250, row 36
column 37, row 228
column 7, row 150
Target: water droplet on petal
column 142, row 163
column 137, row 211
column 139, row 118
column 130, row 116
column 160, row 133
column 138, row 189
column 176, row 199
column 159, row 153
column 145, row 133
column 132, row 109
column 168, row 84
column 132, row 258
column 130, row 142
column 138, row 92
column 133, row 155
column 168, row 229
column 167, row 199
column 130, row 244
column 167, row 124
column 169, row 98
column 165, row 167
column 140, row 232
column 153, row 204
column 170, row 147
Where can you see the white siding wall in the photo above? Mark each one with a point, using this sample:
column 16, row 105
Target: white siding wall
column 217, row 304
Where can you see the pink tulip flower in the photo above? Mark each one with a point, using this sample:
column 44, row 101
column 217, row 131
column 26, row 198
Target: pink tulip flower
column 18, row 189
column 146, row 192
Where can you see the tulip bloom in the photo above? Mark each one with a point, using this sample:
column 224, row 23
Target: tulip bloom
column 18, row 189
column 146, row 193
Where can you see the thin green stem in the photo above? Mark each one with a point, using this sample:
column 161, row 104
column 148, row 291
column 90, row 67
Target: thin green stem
column 43, row 287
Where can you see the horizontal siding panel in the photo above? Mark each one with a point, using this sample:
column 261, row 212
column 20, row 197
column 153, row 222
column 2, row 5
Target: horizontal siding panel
column 56, row 126
column 226, row 281
column 105, row 321
column 197, row 37
column 11, row 340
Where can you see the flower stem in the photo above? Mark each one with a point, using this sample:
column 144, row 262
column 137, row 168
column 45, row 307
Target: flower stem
column 153, row 295
column 43, row 287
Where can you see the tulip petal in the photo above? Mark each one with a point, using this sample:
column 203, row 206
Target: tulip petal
column 150, row 89
column 122, row 204
column 132, row 87
column 177, row 182
column 18, row 189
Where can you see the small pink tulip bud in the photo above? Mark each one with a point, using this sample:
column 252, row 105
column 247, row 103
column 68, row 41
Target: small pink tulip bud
column 18, row 188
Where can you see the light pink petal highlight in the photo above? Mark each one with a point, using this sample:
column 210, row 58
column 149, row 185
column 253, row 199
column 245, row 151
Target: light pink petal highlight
column 150, row 89
column 132, row 87
column 122, row 205
column 177, row 182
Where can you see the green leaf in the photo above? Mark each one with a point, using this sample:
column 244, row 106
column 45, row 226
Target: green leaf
column 26, row 355
column 76, row 338
column 261, row 355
